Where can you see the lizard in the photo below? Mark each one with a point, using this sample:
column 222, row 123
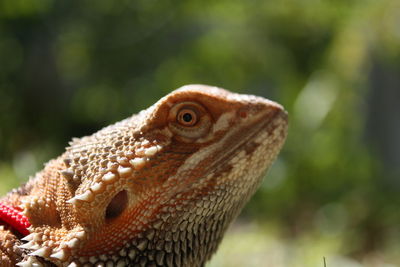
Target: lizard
column 157, row 189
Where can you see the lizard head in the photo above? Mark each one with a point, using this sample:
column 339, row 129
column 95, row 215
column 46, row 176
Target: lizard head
column 158, row 188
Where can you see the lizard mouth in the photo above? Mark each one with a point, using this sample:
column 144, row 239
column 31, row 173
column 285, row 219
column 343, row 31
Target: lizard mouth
column 262, row 133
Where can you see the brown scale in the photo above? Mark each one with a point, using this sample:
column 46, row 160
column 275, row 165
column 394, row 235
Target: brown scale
column 185, row 180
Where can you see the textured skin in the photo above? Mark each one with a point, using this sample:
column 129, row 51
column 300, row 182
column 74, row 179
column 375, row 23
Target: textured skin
column 157, row 189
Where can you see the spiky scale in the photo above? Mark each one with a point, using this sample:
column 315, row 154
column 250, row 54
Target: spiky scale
column 153, row 187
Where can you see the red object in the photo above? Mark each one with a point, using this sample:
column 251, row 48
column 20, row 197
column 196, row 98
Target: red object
column 14, row 218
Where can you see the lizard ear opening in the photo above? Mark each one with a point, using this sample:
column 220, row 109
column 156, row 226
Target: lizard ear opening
column 117, row 205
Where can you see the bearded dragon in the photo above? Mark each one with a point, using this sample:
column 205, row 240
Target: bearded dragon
column 157, row 189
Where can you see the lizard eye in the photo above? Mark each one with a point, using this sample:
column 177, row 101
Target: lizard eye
column 186, row 117
column 117, row 205
column 189, row 120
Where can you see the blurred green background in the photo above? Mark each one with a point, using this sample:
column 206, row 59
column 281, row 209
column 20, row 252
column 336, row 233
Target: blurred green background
column 68, row 68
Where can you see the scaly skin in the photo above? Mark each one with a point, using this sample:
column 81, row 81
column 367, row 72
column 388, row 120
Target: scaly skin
column 157, row 189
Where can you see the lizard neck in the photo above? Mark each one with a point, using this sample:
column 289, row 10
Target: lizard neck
column 192, row 235
column 183, row 242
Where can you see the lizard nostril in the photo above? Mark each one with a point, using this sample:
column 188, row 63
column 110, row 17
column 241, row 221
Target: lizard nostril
column 117, row 205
